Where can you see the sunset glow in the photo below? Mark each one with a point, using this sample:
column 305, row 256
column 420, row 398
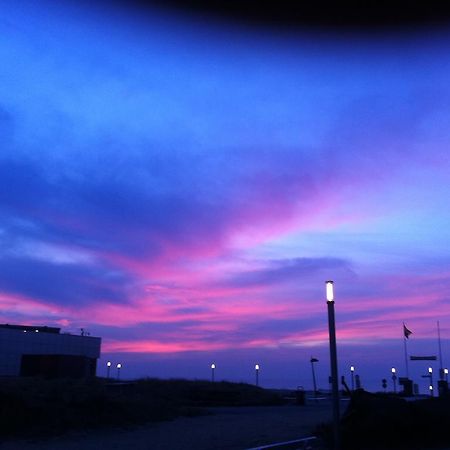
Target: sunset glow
column 181, row 188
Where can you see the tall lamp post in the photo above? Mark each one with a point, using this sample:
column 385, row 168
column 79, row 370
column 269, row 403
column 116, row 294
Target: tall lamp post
column 119, row 366
column 333, row 361
column 394, row 379
column 314, row 360
column 430, row 374
column 352, row 371
column 213, row 368
column 108, row 368
column 257, row 374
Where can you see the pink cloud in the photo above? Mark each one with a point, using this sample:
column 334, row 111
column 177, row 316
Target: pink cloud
column 145, row 346
column 29, row 309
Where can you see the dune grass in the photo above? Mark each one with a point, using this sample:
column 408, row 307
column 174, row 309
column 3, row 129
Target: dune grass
column 36, row 407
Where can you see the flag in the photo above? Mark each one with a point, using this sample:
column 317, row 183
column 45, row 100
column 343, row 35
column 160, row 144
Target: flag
column 406, row 332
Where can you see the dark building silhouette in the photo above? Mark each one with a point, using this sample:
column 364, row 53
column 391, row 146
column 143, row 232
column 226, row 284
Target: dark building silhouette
column 44, row 351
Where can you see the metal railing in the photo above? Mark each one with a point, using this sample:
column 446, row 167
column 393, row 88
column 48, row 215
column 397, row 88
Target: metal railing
column 297, row 444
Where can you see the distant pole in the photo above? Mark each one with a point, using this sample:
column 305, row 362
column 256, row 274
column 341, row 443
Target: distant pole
column 333, row 362
column 406, row 350
column 357, row 382
column 406, row 358
column 441, row 370
column 314, row 360
column 119, row 366
column 352, row 370
column 394, row 379
column 108, row 368
column 213, row 368
column 257, row 374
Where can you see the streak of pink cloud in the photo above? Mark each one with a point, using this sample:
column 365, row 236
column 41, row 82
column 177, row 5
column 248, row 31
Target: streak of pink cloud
column 31, row 308
column 151, row 346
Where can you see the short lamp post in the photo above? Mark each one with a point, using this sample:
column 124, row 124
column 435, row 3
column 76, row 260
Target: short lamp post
column 312, row 361
column 446, row 375
column 108, row 368
column 333, row 361
column 257, row 374
column 352, row 371
column 430, row 374
column 213, row 368
column 394, row 379
column 119, row 366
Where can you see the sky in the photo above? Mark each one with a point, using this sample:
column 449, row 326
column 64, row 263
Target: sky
column 183, row 185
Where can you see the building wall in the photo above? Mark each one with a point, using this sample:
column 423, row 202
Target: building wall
column 58, row 366
column 15, row 342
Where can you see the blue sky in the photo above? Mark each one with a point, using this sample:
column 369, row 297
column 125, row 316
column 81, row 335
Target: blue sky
column 184, row 187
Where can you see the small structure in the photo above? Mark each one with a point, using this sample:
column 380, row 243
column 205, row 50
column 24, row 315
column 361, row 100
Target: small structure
column 407, row 386
column 44, row 351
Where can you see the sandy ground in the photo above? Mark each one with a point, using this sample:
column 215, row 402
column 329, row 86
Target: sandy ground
column 224, row 429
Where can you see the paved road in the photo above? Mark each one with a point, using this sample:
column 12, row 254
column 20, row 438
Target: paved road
column 224, row 429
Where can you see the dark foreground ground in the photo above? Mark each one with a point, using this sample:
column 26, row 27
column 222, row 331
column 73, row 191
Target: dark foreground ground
column 186, row 415
column 226, row 428
column 150, row 414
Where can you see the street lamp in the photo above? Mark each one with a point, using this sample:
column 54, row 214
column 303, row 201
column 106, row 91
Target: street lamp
column 394, row 379
column 119, row 366
column 446, row 375
column 352, row 370
column 430, row 374
column 213, row 368
column 333, row 360
column 314, row 360
column 108, row 368
column 257, row 374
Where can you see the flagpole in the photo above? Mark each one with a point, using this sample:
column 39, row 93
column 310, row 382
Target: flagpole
column 406, row 358
column 406, row 352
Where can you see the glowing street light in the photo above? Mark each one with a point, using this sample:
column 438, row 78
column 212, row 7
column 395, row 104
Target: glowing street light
column 333, row 360
column 394, row 378
column 352, row 370
column 257, row 374
column 119, row 366
column 330, row 291
column 213, row 368
column 446, row 374
column 108, row 368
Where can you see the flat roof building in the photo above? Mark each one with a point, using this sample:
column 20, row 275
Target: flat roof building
column 44, row 351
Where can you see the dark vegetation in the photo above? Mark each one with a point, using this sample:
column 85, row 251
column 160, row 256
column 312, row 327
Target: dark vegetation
column 39, row 407
column 380, row 421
